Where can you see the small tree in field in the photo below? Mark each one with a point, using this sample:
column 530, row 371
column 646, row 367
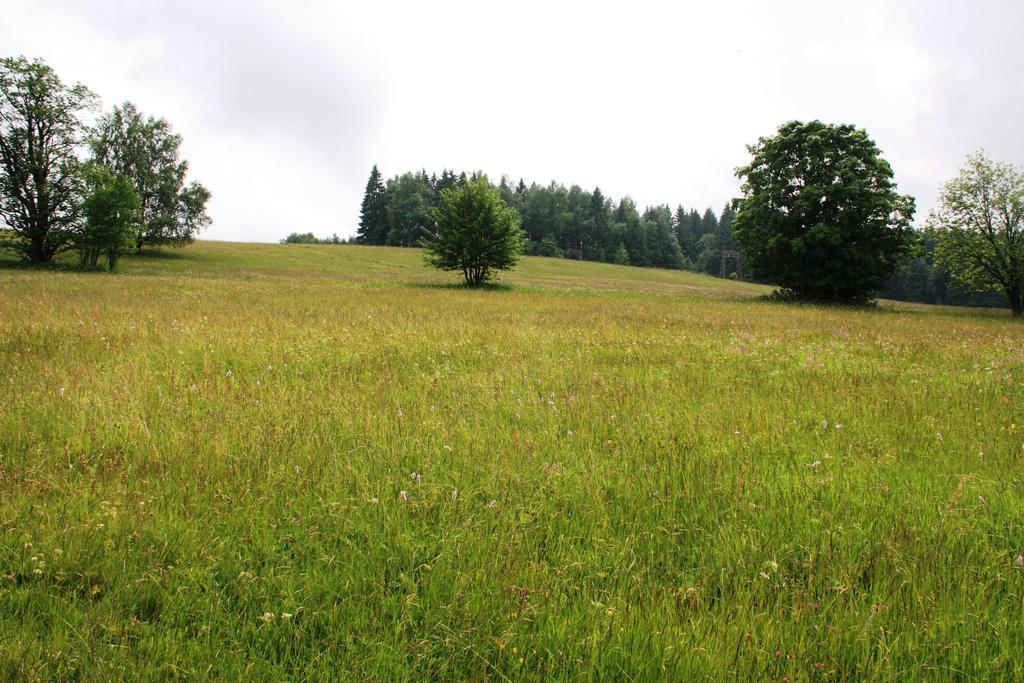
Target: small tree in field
column 979, row 226
column 820, row 216
column 477, row 233
column 113, row 213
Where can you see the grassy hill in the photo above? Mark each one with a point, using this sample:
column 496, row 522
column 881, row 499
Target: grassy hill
column 323, row 462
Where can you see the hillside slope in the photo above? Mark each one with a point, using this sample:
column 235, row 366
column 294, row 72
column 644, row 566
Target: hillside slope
column 313, row 463
column 362, row 264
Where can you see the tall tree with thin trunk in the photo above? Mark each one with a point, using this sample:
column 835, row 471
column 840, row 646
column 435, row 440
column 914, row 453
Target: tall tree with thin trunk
column 979, row 227
column 373, row 216
column 40, row 138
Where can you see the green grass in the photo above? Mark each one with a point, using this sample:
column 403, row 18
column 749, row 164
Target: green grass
column 624, row 474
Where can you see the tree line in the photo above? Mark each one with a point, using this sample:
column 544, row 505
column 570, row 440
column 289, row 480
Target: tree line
column 820, row 217
column 102, row 190
column 557, row 221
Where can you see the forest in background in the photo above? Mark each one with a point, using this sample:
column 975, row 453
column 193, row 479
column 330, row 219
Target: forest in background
column 572, row 222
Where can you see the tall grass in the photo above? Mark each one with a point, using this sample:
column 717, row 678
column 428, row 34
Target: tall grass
column 289, row 463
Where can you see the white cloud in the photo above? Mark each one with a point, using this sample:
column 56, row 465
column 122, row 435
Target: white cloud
column 284, row 110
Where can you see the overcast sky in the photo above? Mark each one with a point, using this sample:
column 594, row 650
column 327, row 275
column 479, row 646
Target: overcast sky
column 285, row 106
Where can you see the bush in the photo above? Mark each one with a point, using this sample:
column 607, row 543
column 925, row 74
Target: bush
column 476, row 233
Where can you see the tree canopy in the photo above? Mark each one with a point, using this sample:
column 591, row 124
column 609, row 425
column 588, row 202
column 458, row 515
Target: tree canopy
column 41, row 186
column 820, row 215
column 978, row 228
column 476, row 233
column 146, row 150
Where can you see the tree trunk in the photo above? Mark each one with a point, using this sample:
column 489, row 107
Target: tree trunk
column 37, row 249
column 1015, row 296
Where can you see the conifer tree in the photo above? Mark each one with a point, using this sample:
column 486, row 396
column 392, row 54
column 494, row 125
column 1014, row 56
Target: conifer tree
column 373, row 217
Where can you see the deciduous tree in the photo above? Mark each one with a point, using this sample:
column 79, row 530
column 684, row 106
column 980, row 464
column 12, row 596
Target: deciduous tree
column 40, row 138
column 979, row 231
column 146, row 150
column 112, row 211
column 477, row 233
column 820, row 215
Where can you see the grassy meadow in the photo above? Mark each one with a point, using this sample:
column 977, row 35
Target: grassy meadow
column 272, row 462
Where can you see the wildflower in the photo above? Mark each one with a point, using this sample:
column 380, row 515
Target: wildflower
column 286, row 615
column 815, row 465
column 570, row 433
column 839, row 427
column 455, row 494
column 415, row 476
column 492, row 504
column 1020, row 561
column 403, row 496
column 400, row 413
column 824, row 424
column 61, row 392
column 267, row 616
column 298, row 470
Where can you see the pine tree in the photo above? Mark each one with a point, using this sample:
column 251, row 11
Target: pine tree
column 373, row 217
column 709, row 222
column 685, row 234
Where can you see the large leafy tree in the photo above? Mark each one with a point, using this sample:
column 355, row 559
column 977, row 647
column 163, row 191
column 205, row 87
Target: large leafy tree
column 979, row 231
column 40, row 137
column 146, row 150
column 477, row 233
column 820, row 215
column 373, row 215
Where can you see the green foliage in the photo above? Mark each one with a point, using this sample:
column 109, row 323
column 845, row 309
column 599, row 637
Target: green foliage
column 665, row 251
column 621, row 256
column 476, row 233
column 548, row 247
column 979, row 231
column 410, row 208
column 373, row 215
column 923, row 279
column 310, row 238
column 113, row 211
column 301, row 238
column 146, row 150
column 40, row 135
column 820, row 215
